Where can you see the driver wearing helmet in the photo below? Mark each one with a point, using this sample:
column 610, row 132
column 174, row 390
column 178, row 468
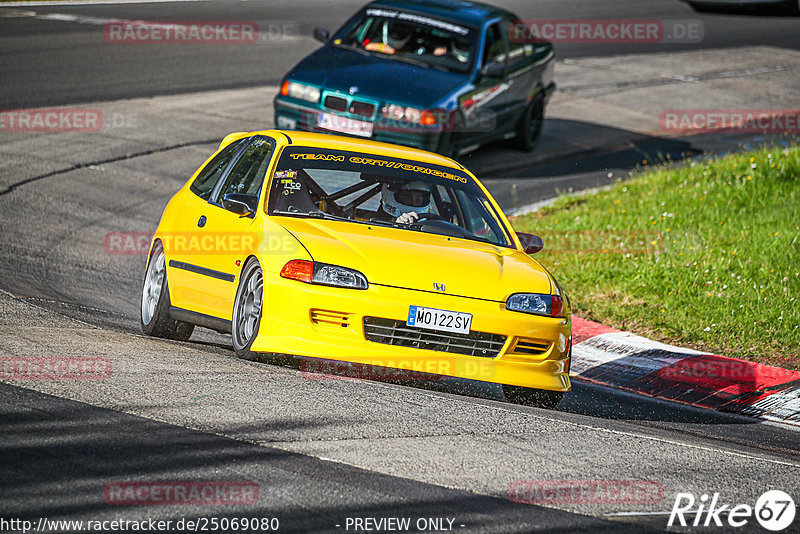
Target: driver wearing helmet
column 405, row 203
column 459, row 48
column 394, row 36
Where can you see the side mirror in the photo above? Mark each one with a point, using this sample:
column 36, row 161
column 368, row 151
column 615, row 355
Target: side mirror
column 493, row 70
column 322, row 35
column 240, row 204
column 530, row 243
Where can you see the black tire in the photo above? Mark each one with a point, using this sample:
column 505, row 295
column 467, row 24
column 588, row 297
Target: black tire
column 247, row 309
column 529, row 129
column 155, row 304
column 541, row 398
column 700, row 8
column 448, row 139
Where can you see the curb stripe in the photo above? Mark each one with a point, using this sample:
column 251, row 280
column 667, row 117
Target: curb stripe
column 611, row 357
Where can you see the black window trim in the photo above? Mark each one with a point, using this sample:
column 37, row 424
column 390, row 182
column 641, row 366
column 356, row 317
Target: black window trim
column 224, row 172
column 486, row 27
column 224, row 177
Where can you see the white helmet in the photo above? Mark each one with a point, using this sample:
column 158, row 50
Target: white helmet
column 412, row 196
column 396, row 34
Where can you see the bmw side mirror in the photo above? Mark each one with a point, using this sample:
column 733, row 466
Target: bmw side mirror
column 493, row 70
column 531, row 243
column 322, row 35
column 241, row 204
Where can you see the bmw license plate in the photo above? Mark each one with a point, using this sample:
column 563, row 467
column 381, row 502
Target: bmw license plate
column 441, row 320
column 346, row 125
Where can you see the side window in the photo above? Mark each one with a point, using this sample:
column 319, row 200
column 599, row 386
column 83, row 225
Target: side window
column 448, row 208
column 518, row 50
column 207, row 179
column 479, row 218
column 494, row 48
column 247, row 174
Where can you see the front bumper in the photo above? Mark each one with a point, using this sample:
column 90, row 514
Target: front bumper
column 325, row 322
column 291, row 115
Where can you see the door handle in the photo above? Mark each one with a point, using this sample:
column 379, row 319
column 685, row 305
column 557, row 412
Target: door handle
column 202, row 221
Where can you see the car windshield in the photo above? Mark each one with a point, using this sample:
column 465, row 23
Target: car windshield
column 369, row 189
column 411, row 37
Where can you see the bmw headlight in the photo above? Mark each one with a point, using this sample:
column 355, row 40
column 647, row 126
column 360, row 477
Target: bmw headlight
column 301, row 91
column 536, row 303
column 314, row 272
column 402, row 113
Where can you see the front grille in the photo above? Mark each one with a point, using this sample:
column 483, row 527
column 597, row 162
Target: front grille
column 332, row 318
column 362, row 109
column 336, row 103
column 531, row 346
column 391, row 332
column 355, row 107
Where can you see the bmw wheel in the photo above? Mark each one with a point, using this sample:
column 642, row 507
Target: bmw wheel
column 530, row 126
column 154, row 316
column 540, row 398
column 247, row 308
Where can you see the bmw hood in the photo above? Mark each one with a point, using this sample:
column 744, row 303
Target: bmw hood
column 380, row 78
column 415, row 260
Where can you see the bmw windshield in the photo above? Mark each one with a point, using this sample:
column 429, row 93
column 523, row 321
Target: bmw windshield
column 365, row 188
column 410, row 37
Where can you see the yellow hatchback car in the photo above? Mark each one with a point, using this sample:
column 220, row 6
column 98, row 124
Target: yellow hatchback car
column 351, row 250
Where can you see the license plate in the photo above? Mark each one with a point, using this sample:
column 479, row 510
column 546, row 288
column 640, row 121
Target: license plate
column 441, row 320
column 285, row 123
column 346, row 125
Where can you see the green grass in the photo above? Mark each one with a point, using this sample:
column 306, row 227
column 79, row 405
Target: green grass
column 704, row 255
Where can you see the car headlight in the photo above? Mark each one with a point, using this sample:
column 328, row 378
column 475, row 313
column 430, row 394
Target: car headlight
column 301, row 91
column 552, row 305
column 314, row 272
column 402, row 113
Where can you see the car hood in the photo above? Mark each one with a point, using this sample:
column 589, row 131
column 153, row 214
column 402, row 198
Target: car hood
column 380, row 78
column 416, row 260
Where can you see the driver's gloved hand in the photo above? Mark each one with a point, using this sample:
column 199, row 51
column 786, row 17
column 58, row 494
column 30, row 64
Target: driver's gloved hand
column 408, row 218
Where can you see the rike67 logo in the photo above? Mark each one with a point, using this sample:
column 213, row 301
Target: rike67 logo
column 774, row 510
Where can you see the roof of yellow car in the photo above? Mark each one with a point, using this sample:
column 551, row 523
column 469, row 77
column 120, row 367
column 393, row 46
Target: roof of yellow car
column 362, row 145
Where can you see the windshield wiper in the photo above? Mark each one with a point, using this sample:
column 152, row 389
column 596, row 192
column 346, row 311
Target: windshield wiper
column 399, row 57
column 392, row 224
column 419, row 62
column 312, row 215
column 354, row 49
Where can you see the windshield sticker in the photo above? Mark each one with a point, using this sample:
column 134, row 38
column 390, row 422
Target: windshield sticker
column 406, row 167
column 291, row 184
column 411, row 17
column 327, row 157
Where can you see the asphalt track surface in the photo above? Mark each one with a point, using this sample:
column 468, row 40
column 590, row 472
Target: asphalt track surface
column 320, row 451
column 55, row 62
